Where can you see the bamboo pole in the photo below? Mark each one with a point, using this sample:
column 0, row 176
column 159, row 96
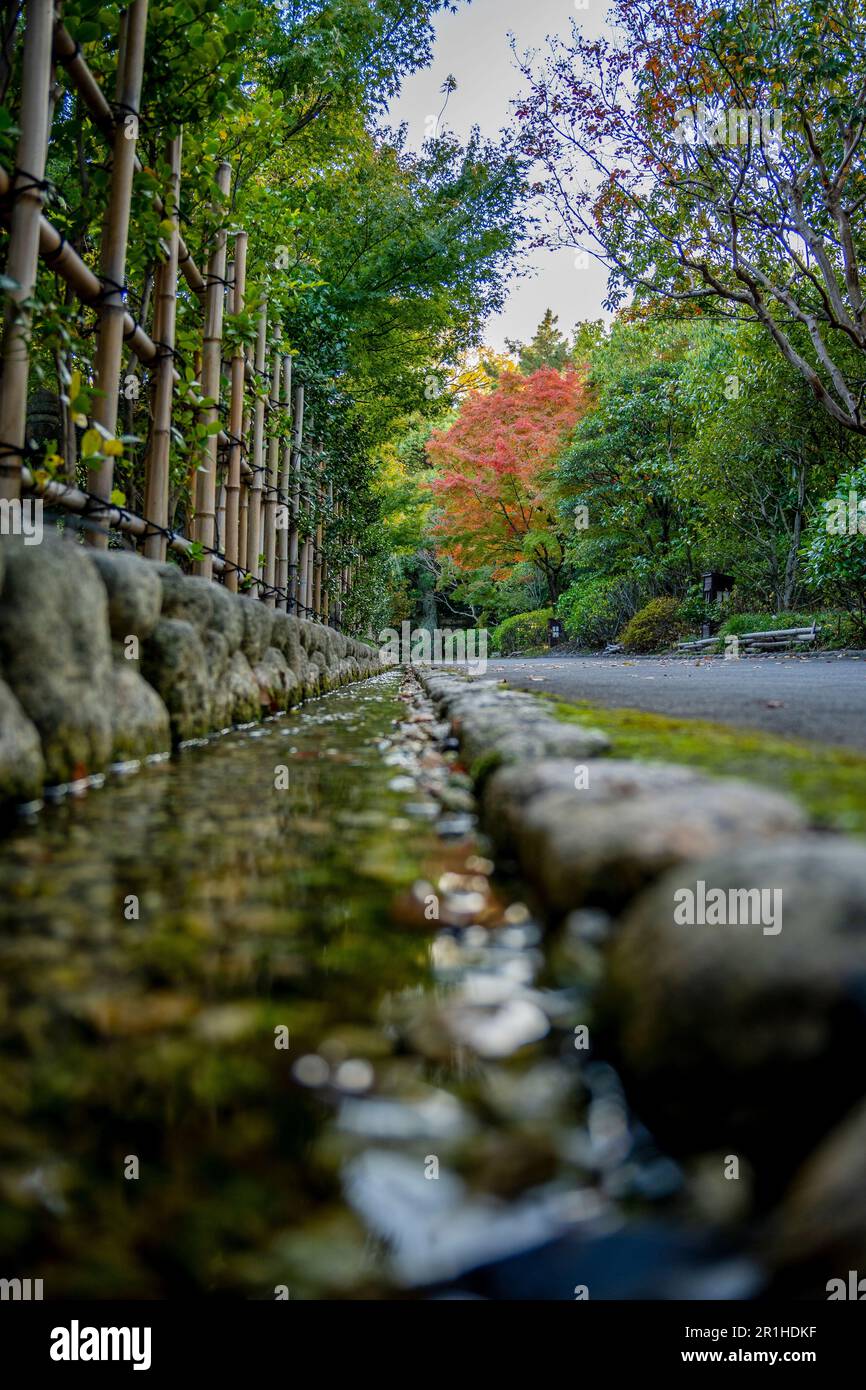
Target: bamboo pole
column 307, row 551
column 67, row 52
column 297, row 443
column 311, row 552
column 156, row 463
column 270, row 538
column 225, row 374
column 254, row 510
column 23, row 256
column 109, row 348
column 70, row 267
column 231, row 545
column 205, row 484
column 243, row 513
column 303, row 503
column 326, row 575
column 285, row 483
column 317, row 543
column 72, row 499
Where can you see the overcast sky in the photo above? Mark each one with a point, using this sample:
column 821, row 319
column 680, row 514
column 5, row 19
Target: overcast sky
column 474, row 46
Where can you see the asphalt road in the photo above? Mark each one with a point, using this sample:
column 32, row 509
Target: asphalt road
column 819, row 699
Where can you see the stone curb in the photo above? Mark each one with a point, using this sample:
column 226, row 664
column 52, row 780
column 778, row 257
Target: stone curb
column 737, row 1033
column 108, row 658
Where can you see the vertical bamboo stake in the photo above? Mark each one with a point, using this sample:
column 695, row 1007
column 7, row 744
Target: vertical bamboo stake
column 254, row 506
column 297, row 441
column 285, row 482
column 243, row 495
column 326, row 575
column 225, row 371
column 313, row 498
column 243, row 518
column 270, row 541
column 302, row 554
column 23, row 256
column 311, row 556
column 338, row 576
column 304, row 564
column 236, row 423
column 112, row 266
column 156, row 463
column 317, row 543
column 211, row 362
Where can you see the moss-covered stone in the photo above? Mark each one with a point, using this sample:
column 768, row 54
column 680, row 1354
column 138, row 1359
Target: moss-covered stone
column 186, row 596
column 55, row 652
column 173, row 661
column 140, row 722
column 278, row 685
column 743, row 1031
column 246, row 701
column 830, row 782
column 134, row 592
column 22, row 767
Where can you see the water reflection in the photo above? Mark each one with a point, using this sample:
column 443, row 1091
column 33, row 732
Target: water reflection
column 242, row 989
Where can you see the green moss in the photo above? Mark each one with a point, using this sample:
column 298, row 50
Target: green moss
column 830, row 782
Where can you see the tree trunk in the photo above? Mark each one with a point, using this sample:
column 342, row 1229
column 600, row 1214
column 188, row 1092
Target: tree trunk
column 794, row 546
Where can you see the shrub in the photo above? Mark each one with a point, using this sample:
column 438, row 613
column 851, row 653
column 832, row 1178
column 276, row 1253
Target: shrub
column 692, row 609
column 658, row 624
column 522, row 631
column 835, row 552
column 594, row 610
column 739, row 623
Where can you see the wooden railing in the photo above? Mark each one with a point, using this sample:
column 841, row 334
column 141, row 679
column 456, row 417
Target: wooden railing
column 245, row 515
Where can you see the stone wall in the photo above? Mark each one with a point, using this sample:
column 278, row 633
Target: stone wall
column 107, row 658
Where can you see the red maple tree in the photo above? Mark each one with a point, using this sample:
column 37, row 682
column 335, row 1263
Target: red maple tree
column 494, row 485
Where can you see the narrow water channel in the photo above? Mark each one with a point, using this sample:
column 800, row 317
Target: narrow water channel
column 268, row 1040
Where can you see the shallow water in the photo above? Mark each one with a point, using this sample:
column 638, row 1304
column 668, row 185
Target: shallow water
column 162, row 938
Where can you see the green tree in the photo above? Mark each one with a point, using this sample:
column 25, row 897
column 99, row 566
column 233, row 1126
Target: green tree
column 547, row 348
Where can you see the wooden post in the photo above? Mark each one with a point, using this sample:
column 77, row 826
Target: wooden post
column 211, row 363
column 254, row 509
column 243, row 515
column 305, row 591
column 302, row 559
column 23, row 256
column 307, row 556
column 326, row 574
column 231, row 546
column 297, row 443
column 112, row 264
column 285, row 482
column 317, row 543
column 270, row 543
column 156, row 463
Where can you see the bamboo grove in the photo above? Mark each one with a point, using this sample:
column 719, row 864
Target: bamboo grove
column 227, row 284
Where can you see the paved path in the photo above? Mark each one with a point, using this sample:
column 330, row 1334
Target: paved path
column 820, row 699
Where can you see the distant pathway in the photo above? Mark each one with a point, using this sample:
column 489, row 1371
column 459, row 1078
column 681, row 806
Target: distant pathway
column 819, row 699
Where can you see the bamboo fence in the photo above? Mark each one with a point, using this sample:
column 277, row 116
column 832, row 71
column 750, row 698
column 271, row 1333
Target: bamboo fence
column 261, row 500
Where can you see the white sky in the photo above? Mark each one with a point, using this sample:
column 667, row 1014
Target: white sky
column 474, row 46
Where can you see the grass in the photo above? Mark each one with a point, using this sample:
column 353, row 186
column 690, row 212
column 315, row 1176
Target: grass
column 830, row 782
